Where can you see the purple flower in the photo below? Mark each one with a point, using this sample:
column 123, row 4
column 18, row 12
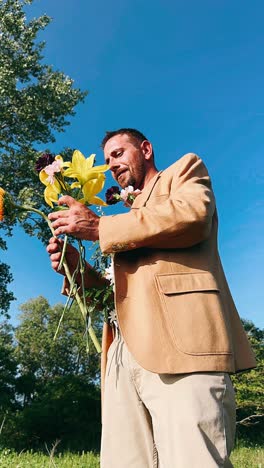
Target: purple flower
column 112, row 195
column 44, row 160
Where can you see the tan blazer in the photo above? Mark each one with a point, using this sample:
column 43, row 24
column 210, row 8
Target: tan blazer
column 174, row 306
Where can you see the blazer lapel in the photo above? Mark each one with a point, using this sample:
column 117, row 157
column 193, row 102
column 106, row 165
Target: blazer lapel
column 143, row 197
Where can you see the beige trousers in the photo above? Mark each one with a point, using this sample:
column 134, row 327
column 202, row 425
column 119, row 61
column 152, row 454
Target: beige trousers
column 162, row 420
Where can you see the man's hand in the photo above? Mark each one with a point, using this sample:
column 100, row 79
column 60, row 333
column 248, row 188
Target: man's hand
column 54, row 250
column 92, row 279
column 78, row 220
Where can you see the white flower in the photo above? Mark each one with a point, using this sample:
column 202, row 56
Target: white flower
column 110, row 274
column 112, row 317
column 124, row 192
column 129, row 194
column 51, row 169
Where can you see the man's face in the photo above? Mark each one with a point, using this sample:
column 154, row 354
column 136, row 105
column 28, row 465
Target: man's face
column 127, row 161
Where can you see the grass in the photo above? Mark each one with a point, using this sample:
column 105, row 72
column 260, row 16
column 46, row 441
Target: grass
column 10, row 459
column 248, row 457
column 243, row 457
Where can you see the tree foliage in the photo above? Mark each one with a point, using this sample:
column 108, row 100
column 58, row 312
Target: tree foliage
column 66, row 409
column 8, row 369
column 43, row 356
column 34, row 98
column 35, row 101
column 249, row 389
column 5, row 296
column 54, row 382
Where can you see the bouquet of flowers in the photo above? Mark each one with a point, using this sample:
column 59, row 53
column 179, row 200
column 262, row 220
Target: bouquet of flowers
column 80, row 179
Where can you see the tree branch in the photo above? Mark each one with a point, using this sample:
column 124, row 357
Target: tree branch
column 250, row 420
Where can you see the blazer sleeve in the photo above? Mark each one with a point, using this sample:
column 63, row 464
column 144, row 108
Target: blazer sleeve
column 182, row 220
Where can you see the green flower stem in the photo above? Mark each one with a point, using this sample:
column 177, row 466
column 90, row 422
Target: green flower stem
column 82, row 307
column 79, row 301
column 63, row 252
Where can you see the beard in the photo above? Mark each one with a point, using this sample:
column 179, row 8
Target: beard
column 131, row 180
column 134, row 176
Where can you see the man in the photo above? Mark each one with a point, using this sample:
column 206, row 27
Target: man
column 168, row 399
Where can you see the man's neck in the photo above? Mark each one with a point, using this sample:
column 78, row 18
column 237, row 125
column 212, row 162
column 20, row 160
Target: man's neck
column 150, row 174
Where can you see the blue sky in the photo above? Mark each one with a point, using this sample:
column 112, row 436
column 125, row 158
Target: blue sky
column 189, row 75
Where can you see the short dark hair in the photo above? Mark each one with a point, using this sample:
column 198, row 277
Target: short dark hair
column 134, row 134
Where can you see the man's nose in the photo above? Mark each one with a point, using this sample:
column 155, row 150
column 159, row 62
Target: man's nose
column 113, row 164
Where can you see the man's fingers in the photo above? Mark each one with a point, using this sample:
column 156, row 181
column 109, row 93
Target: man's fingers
column 66, row 229
column 78, row 220
column 55, row 257
column 60, row 230
column 54, row 251
column 63, row 225
column 54, row 245
column 67, row 200
column 57, row 214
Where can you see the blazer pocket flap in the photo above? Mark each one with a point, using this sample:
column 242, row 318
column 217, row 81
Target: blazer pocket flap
column 186, row 282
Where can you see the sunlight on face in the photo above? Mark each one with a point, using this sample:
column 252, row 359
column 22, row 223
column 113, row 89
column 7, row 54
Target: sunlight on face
column 126, row 160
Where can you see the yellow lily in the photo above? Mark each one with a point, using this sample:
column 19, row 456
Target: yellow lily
column 81, row 168
column 51, row 194
column 91, row 188
column 52, row 190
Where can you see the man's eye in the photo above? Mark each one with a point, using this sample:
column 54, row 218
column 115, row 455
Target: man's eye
column 119, row 153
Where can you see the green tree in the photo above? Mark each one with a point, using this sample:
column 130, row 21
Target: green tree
column 34, row 98
column 57, row 382
column 67, row 409
column 8, row 370
column 5, row 296
column 35, row 101
column 249, row 390
column 40, row 354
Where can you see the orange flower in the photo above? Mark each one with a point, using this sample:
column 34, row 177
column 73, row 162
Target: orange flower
column 2, row 194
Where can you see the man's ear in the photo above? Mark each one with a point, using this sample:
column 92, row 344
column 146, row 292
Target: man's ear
column 146, row 147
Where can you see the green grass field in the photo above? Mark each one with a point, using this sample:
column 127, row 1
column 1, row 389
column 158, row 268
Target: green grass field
column 242, row 458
